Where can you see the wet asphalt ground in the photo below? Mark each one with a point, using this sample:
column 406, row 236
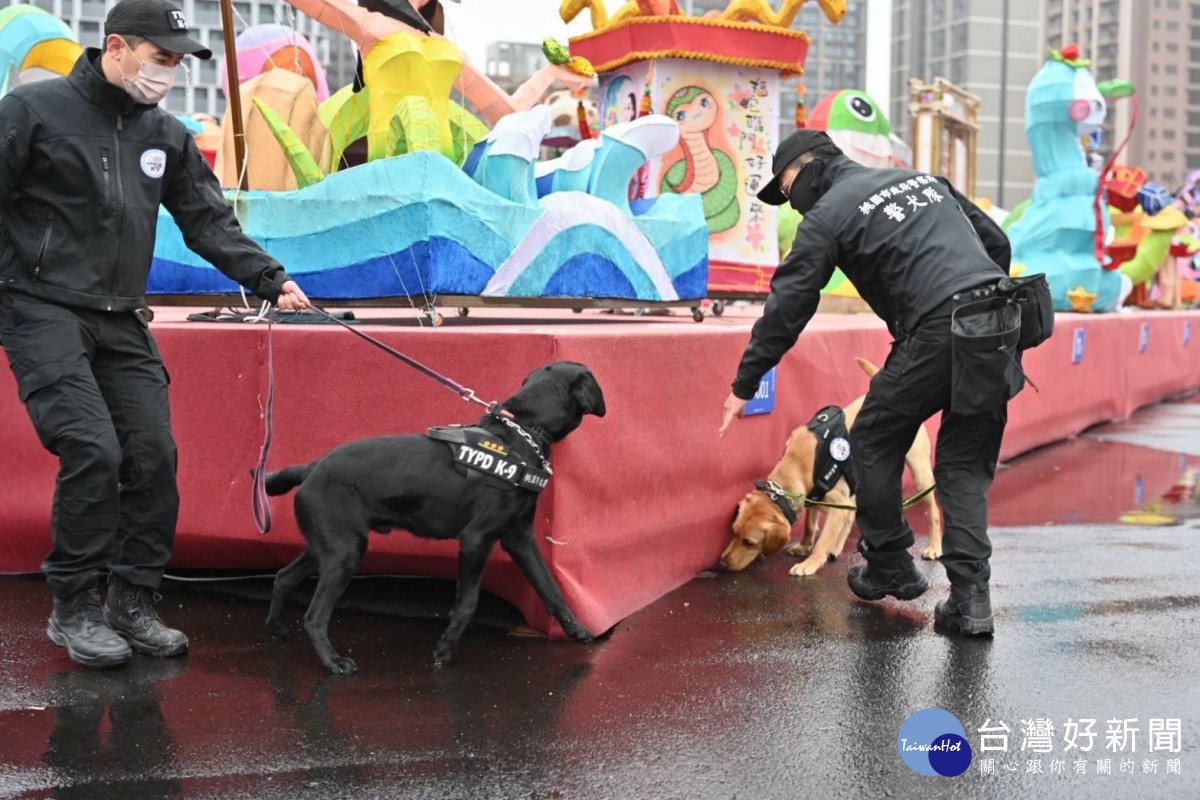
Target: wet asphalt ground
column 754, row 685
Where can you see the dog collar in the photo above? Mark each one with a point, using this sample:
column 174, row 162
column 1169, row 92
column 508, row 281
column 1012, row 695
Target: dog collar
column 779, row 497
column 534, row 435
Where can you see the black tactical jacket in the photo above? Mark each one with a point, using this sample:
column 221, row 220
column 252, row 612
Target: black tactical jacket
column 83, row 169
column 907, row 242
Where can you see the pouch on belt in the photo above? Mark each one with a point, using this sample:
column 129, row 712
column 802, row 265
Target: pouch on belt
column 985, row 339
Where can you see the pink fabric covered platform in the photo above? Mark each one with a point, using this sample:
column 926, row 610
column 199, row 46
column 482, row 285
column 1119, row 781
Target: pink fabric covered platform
column 641, row 500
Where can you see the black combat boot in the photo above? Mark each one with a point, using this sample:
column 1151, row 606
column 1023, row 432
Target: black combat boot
column 130, row 612
column 968, row 611
column 77, row 623
column 897, row 576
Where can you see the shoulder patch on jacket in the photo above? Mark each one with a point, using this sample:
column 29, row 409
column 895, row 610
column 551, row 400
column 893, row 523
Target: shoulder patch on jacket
column 154, row 163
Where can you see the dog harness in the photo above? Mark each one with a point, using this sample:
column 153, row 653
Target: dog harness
column 833, row 452
column 479, row 450
column 780, row 498
column 831, row 463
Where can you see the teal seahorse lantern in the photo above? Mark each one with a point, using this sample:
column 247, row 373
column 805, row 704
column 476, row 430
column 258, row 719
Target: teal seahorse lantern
column 1056, row 234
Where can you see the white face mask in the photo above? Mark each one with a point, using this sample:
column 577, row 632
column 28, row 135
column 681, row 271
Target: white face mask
column 152, row 83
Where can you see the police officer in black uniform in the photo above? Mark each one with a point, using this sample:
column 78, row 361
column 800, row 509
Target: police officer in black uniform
column 909, row 243
column 86, row 161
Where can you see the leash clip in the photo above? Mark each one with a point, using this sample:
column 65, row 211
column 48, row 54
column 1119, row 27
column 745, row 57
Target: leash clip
column 469, row 396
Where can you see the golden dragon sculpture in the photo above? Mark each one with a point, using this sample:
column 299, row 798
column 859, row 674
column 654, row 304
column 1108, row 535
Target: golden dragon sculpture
column 759, row 11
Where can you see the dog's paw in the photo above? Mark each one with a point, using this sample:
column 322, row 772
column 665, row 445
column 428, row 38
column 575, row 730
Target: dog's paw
column 342, row 666
column 799, row 550
column 931, row 553
column 806, row 568
column 279, row 631
column 442, row 656
column 581, row 634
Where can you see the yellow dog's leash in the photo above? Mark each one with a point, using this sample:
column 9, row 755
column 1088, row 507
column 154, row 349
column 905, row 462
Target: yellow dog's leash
column 916, row 498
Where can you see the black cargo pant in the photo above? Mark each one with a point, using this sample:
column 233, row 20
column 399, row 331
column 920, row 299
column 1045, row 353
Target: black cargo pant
column 915, row 384
column 95, row 388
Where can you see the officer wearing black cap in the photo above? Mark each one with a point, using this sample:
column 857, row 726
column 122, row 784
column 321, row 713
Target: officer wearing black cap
column 87, row 160
column 909, row 243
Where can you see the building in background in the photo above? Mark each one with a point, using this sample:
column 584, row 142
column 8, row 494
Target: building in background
column 1152, row 44
column 199, row 89
column 510, row 64
column 991, row 48
column 837, row 58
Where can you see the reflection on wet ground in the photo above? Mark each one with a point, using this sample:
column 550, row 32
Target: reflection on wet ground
column 1147, row 464
column 747, row 685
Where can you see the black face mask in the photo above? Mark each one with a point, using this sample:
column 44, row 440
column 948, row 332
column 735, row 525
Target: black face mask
column 806, row 188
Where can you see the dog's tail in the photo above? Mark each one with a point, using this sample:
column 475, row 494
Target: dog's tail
column 286, row 479
column 867, row 367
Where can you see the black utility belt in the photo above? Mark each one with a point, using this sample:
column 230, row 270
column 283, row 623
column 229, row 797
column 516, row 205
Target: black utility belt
column 1029, row 294
column 479, row 450
column 973, row 295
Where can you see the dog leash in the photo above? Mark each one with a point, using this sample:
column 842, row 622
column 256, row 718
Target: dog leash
column 808, row 501
column 260, row 501
column 449, row 383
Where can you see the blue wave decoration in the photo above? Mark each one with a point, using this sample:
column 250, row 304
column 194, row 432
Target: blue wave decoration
column 694, row 282
column 419, row 223
column 455, row 271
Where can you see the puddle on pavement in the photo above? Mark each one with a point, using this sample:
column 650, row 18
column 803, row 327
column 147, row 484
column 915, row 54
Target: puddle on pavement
column 1143, row 471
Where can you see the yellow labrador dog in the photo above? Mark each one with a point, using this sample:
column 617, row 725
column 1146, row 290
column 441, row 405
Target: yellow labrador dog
column 761, row 527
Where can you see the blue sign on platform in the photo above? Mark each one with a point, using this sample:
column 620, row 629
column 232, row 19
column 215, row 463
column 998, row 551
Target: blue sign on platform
column 1077, row 347
column 1144, row 339
column 763, row 401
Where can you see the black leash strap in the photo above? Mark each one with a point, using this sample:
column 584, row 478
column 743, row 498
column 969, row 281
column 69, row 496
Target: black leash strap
column 449, row 383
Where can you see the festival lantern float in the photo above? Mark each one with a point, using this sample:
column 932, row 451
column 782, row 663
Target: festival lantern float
column 443, row 206
column 1061, row 231
column 34, row 45
column 277, row 67
column 1131, row 239
column 859, row 126
column 1145, row 221
column 718, row 77
column 1185, row 248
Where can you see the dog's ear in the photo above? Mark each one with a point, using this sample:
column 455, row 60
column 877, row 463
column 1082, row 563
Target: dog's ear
column 777, row 538
column 586, row 392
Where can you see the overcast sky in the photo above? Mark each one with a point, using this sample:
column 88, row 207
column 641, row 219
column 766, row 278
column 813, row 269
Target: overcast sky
column 474, row 24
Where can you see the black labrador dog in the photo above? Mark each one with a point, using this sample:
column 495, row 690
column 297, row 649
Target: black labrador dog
column 414, row 483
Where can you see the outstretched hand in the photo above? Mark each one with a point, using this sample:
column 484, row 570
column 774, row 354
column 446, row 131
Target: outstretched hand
column 734, row 407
